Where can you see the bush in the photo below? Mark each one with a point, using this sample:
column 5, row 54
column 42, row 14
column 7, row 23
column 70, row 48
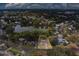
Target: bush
column 15, row 51
column 57, row 51
column 43, row 37
column 73, row 38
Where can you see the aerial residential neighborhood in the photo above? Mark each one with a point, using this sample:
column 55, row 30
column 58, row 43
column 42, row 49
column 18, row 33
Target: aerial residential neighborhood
column 39, row 32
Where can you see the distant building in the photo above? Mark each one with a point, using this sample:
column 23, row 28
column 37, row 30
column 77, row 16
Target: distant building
column 1, row 31
column 18, row 28
column 60, row 40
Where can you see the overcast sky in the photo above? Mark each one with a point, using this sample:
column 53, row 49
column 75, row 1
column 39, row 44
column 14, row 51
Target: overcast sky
column 39, row 6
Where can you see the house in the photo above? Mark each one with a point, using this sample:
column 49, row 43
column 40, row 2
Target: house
column 1, row 31
column 60, row 40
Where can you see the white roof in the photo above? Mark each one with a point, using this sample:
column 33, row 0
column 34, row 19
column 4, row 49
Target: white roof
column 18, row 28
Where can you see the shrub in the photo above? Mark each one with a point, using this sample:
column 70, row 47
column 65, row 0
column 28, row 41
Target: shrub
column 73, row 38
column 57, row 51
column 15, row 51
